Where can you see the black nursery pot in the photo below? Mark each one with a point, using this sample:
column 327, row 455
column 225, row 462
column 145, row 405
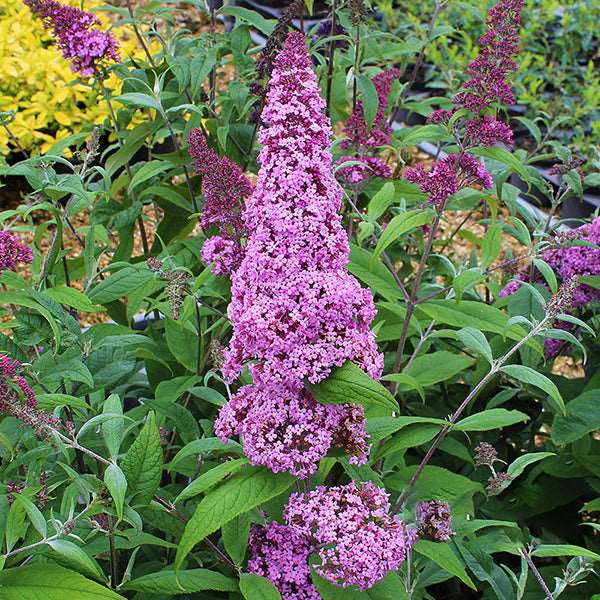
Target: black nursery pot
column 408, row 117
column 532, row 194
column 579, row 208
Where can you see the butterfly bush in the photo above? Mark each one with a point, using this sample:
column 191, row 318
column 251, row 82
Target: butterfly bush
column 363, row 139
column 13, row 251
column 296, row 313
column 88, row 48
column 225, row 188
column 568, row 260
column 18, row 400
column 486, row 88
column 351, row 529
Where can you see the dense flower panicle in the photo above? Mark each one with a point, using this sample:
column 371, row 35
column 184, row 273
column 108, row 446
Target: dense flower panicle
column 288, row 430
column 469, row 170
column 488, row 131
column 12, row 386
column 357, row 130
column 358, row 541
column 280, row 553
column 487, row 83
column 77, row 34
column 434, row 520
column 296, row 312
column 441, row 116
column 439, row 183
column 225, row 188
column 369, row 166
column 13, row 251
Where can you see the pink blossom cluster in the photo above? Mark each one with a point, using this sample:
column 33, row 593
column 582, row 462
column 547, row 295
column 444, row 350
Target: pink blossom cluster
column 280, row 553
column 362, row 139
column 87, row 47
column 351, row 529
column 12, row 387
column 434, row 520
column 13, row 251
column 488, row 72
column 225, row 187
column 568, row 260
column 296, row 313
column 487, row 86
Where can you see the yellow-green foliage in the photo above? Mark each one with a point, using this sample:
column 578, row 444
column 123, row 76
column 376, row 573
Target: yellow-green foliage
column 37, row 83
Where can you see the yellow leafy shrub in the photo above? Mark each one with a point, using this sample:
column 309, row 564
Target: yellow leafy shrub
column 37, row 83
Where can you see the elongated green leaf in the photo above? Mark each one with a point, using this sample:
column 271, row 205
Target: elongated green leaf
column 505, row 157
column 533, row 377
column 369, row 97
column 350, row 384
column 582, row 417
column 149, row 170
column 265, row 26
column 181, row 582
column 71, row 297
column 254, row 587
column 494, row 418
column 245, row 490
column 120, row 284
column 211, row 478
column 380, row 202
column 117, row 485
column 430, row 369
column 144, row 461
column 406, row 383
column 33, row 512
column 112, row 429
column 442, row 555
column 474, row 340
column 564, row 550
column 51, row 582
column 400, row 225
column 77, row 559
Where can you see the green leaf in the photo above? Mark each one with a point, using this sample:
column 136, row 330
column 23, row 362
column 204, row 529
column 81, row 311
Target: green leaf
column 494, row 418
column 33, row 512
column 464, row 281
column 475, row 341
column 71, row 297
column 469, row 313
column 141, row 100
column 545, row 269
column 406, row 383
column 390, row 587
column 50, row 582
column 373, row 273
column 369, row 97
column 183, row 343
column 204, row 445
column 148, row 170
column 380, row 427
column 112, row 429
column 548, row 550
column 442, row 555
column 211, row 478
column 172, row 583
column 350, row 384
column 254, row 587
column 245, row 490
column 77, row 559
column 117, row 486
column 120, row 284
column 505, row 157
column 533, row 377
column 144, row 462
column 518, row 466
column 433, row 368
column 492, row 244
column 381, row 201
column 581, row 418
column 400, row 225
column 249, row 16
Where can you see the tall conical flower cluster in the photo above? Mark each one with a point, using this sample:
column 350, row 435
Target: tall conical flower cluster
column 13, row 251
column 296, row 313
column 77, row 35
column 487, row 86
column 225, row 188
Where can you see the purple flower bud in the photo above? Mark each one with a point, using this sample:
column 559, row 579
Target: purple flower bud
column 77, row 35
column 434, row 520
column 12, row 251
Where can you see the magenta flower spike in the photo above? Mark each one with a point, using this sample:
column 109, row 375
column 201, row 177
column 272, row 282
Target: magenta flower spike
column 13, row 251
column 296, row 312
column 77, row 35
